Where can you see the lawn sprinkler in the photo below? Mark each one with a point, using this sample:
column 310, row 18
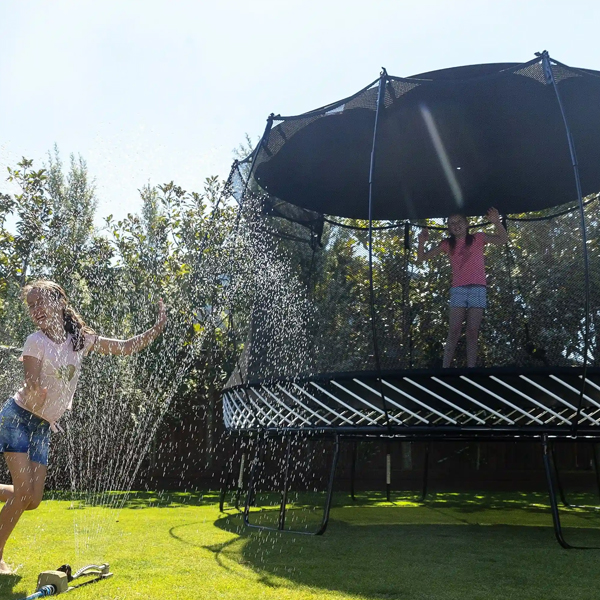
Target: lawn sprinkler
column 51, row 583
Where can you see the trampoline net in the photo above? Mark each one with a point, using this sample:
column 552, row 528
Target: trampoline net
column 536, row 315
column 543, row 304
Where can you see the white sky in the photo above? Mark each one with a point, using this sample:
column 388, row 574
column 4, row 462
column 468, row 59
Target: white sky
column 155, row 90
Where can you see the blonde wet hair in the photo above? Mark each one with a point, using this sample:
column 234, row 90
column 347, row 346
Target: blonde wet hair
column 72, row 320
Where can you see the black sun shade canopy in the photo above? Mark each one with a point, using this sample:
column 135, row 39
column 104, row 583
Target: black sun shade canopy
column 455, row 140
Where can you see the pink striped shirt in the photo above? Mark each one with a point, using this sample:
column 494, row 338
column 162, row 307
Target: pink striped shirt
column 467, row 262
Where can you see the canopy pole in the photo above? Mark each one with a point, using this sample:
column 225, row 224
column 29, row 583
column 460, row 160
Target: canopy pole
column 380, row 98
column 224, row 192
column 239, row 366
column 551, row 80
column 263, row 140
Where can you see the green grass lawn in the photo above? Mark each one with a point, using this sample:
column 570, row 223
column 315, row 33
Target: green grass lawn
column 178, row 546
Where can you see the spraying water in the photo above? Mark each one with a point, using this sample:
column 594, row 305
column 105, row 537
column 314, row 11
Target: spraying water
column 235, row 274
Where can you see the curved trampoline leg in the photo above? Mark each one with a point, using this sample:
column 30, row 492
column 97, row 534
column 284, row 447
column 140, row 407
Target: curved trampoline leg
column 327, row 509
column 240, row 481
column 226, row 480
column 225, row 487
column 563, row 496
column 561, row 491
column 228, row 475
column 258, row 457
column 548, row 464
column 281, row 522
column 550, row 472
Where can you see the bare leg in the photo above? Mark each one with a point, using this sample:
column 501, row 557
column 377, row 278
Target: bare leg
column 28, row 484
column 457, row 316
column 474, row 318
column 6, row 492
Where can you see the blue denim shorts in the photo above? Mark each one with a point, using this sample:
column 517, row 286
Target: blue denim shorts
column 22, row 431
column 468, row 296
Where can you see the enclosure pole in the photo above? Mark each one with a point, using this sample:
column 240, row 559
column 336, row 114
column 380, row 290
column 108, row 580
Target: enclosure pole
column 254, row 156
column 263, row 140
column 406, row 312
column 236, row 164
column 550, row 79
column 380, row 97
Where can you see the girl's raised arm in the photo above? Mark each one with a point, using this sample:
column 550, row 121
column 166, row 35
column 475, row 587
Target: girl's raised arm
column 500, row 236
column 136, row 343
column 421, row 254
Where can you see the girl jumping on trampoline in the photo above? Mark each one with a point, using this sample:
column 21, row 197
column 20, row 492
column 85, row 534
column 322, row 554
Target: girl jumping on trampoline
column 52, row 358
column 468, row 292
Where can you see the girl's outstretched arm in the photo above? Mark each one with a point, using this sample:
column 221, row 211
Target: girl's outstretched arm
column 500, row 236
column 421, row 253
column 136, row 343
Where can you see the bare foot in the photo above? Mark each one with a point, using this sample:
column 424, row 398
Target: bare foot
column 5, row 569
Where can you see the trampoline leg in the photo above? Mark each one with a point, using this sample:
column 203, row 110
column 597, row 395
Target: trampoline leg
column 425, row 473
column 284, row 492
column 559, row 486
column 252, row 479
column 561, row 492
column 353, row 469
column 240, row 481
column 595, row 461
column 226, row 479
column 388, row 473
column 328, row 500
column 550, row 472
column 225, row 486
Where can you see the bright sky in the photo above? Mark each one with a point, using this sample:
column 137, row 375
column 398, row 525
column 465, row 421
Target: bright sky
column 156, row 90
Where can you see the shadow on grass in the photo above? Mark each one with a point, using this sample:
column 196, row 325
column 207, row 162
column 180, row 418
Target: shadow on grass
column 134, row 500
column 456, row 546
column 7, row 587
column 465, row 501
column 460, row 504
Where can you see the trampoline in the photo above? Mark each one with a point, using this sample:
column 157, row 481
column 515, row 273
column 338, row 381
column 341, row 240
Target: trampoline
column 342, row 192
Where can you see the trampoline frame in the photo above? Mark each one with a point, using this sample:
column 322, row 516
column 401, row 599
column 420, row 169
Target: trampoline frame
column 260, row 424
column 556, row 492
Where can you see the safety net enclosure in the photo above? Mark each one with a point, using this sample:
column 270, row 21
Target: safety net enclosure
column 456, row 140
column 340, row 194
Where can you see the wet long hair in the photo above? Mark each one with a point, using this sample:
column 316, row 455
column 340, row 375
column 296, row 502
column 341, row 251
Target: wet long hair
column 469, row 238
column 72, row 320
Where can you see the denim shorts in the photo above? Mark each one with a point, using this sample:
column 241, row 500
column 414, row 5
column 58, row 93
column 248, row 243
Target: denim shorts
column 468, row 296
column 22, row 431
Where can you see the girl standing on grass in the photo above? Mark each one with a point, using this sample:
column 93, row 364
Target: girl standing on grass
column 468, row 298
column 52, row 358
